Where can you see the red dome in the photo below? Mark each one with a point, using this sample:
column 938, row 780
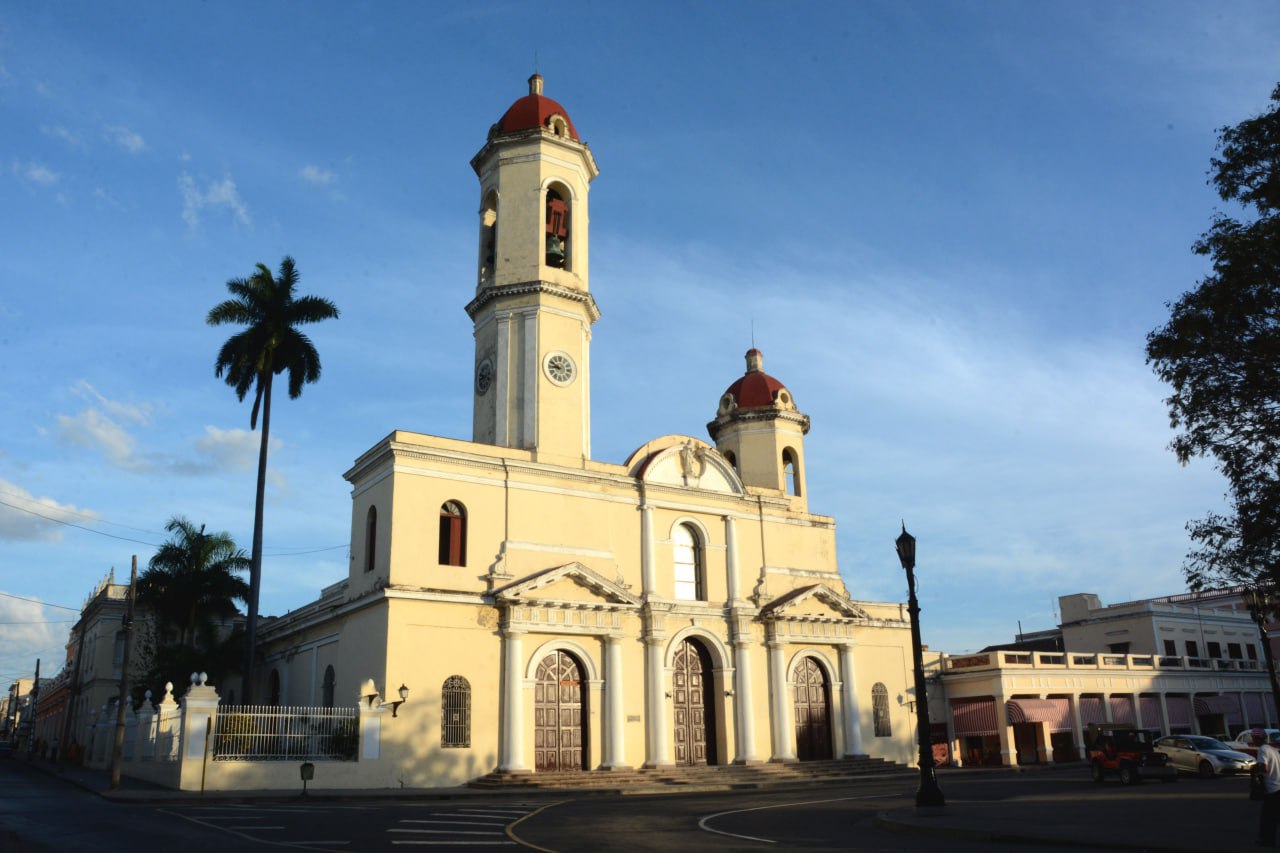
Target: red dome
column 533, row 110
column 756, row 388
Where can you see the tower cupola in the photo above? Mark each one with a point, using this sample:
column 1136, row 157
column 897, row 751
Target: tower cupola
column 761, row 431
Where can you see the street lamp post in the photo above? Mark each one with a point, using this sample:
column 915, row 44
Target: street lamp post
column 929, row 794
column 1260, row 604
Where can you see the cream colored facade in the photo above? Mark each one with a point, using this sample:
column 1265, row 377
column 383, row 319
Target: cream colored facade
column 553, row 612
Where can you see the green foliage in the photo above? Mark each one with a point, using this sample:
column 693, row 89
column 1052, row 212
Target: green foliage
column 1220, row 352
column 270, row 344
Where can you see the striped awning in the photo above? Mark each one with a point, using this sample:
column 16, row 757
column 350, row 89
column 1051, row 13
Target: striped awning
column 1122, row 709
column 1179, row 710
column 1054, row 713
column 1150, row 707
column 1217, row 705
column 974, row 716
column 1091, row 710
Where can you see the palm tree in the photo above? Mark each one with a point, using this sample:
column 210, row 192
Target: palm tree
column 269, row 344
column 191, row 586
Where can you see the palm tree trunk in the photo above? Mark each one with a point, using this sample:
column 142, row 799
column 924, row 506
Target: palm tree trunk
column 255, row 557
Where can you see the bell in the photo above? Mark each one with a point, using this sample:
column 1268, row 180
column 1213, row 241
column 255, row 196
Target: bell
column 555, row 251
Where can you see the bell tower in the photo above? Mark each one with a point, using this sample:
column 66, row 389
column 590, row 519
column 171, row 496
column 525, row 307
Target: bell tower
column 533, row 310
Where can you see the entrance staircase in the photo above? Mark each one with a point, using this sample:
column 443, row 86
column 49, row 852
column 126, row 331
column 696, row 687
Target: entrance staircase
column 700, row 778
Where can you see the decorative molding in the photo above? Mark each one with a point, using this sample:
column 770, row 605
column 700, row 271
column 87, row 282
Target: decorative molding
column 524, row 288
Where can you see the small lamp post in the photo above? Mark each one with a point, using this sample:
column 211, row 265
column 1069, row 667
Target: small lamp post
column 308, row 772
column 1260, row 603
column 929, row 794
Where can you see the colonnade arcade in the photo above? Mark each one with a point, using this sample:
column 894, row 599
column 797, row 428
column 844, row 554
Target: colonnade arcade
column 566, row 632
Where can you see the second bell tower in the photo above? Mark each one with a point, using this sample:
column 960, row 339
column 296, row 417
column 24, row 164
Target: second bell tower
column 533, row 309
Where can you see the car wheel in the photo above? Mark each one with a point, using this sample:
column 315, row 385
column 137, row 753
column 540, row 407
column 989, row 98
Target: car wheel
column 1096, row 771
column 1206, row 770
column 1128, row 776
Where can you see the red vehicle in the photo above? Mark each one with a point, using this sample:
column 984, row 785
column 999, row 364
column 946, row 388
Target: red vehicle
column 1119, row 749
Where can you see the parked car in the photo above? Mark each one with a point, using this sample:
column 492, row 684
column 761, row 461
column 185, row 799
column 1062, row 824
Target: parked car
column 1249, row 739
column 1204, row 755
column 1126, row 752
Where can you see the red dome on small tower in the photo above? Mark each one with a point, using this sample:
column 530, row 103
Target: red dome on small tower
column 534, row 111
column 756, row 388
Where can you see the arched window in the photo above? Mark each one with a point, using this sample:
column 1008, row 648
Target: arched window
column 688, row 564
column 880, row 710
column 790, row 471
column 557, row 230
column 488, row 236
column 453, row 534
column 273, row 688
column 370, row 538
column 329, row 680
column 455, row 712
column 731, row 459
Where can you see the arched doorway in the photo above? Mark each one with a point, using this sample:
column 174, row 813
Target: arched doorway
column 691, row 694
column 813, row 712
column 558, row 735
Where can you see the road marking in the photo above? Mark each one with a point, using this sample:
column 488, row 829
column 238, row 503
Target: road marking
column 511, row 829
column 253, row 828
column 702, row 824
column 445, row 831
column 453, row 822
column 457, row 843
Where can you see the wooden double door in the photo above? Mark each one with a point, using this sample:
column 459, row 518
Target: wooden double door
column 691, row 694
column 812, row 712
column 559, row 738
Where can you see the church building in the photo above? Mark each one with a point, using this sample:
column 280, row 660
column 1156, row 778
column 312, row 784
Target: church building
column 550, row 612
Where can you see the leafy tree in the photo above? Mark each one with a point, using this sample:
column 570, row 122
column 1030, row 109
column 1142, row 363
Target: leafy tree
column 190, row 587
column 270, row 344
column 1220, row 351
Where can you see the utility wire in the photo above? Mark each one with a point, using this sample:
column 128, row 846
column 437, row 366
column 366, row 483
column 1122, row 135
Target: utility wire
column 38, row 601
column 85, row 515
column 77, row 526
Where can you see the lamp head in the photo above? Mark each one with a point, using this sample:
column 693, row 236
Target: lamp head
column 906, row 544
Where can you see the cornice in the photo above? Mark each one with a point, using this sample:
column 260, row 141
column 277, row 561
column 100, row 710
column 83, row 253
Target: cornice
column 524, row 288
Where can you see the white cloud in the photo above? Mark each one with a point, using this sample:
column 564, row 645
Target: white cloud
column 236, row 449
column 64, row 134
column 99, row 427
column 24, row 517
column 30, row 630
column 36, row 173
column 138, row 413
column 215, row 195
column 315, row 175
column 125, row 138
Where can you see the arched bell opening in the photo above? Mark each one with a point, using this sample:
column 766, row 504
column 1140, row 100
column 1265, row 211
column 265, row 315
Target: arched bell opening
column 558, row 231
column 488, row 237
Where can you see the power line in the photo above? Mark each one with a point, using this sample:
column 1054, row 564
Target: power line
column 84, row 515
column 38, row 601
column 77, row 526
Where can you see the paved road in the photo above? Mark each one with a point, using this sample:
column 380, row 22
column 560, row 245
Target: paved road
column 1000, row 810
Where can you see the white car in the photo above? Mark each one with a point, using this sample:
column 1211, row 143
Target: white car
column 1204, row 755
column 1249, row 739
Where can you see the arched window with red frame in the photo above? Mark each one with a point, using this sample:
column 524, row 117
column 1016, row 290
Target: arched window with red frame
column 453, row 534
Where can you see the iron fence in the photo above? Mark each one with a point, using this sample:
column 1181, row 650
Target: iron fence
column 282, row 733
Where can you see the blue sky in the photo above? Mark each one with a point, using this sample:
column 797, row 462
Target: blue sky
column 951, row 226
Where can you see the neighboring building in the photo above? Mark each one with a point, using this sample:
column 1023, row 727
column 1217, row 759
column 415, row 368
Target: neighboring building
column 17, row 701
column 552, row 612
column 1180, row 664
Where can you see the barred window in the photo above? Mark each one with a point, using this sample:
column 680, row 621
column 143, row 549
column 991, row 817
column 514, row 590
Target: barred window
column 455, row 705
column 880, row 710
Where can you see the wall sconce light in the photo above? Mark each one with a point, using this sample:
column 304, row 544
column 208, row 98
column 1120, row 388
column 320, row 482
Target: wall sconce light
column 728, row 693
column 395, row 706
column 369, row 693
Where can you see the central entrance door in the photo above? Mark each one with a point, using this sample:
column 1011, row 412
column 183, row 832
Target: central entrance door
column 813, row 715
column 557, row 715
column 691, row 694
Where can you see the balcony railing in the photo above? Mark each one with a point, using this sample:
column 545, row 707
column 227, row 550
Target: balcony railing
column 1098, row 660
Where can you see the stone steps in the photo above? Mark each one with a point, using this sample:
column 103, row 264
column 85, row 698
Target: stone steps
column 712, row 777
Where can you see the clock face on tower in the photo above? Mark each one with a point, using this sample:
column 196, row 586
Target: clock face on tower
column 484, row 376
column 559, row 367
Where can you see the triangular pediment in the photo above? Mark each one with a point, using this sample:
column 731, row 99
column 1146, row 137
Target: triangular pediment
column 815, row 602
column 571, row 584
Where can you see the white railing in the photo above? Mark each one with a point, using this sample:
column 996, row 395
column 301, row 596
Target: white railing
column 278, row 733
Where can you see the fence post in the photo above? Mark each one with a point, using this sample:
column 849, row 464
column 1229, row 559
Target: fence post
column 146, row 729
column 199, row 711
column 371, row 712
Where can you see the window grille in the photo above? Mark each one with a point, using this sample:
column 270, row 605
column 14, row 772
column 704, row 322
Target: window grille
column 880, row 710
column 455, row 705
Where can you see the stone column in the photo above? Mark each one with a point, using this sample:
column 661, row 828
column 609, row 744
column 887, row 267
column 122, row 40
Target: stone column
column 511, row 747
column 852, row 712
column 647, row 560
column 658, row 749
column 615, row 757
column 501, row 383
column 784, row 748
column 1008, row 751
column 731, row 559
column 1137, row 711
column 742, row 703
column 1165, row 727
column 1077, row 727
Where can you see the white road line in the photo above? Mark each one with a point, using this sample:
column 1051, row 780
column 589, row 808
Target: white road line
column 334, row 841
column 445, row 831
column 252, row 828
column 457, row 843
column 452, row 822
column 702, row 824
